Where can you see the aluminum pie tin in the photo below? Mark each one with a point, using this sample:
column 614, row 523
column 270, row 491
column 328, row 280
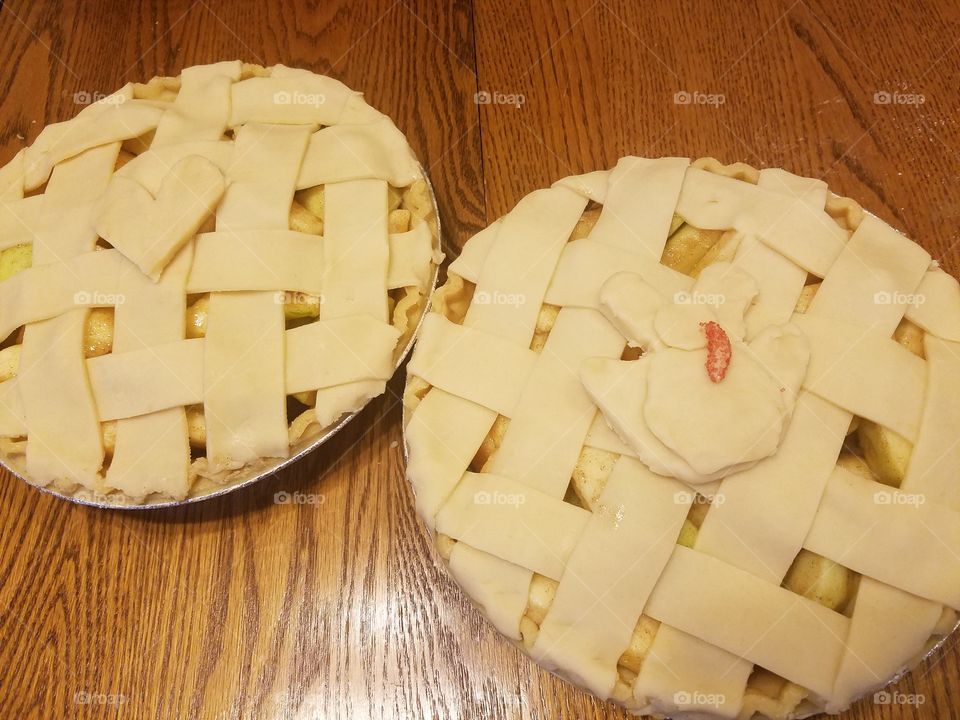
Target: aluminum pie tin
column 299, row 450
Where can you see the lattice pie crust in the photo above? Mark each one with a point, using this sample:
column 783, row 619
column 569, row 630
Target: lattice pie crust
column 199, row 274
column 798, row 563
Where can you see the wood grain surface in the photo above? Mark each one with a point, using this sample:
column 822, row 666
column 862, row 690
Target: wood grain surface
column 333, row 605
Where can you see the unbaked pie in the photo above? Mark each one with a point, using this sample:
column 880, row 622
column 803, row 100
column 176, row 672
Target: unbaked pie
column 687, row 433
column 199, row 274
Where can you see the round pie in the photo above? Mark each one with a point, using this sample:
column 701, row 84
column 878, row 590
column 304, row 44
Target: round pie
column 199, row 275
column 687, row 433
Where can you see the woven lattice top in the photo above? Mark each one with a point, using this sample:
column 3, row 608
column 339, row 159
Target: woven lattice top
column 200, row 272
column 688, row 433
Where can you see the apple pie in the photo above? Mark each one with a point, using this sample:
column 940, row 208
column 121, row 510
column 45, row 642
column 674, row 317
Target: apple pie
column 200, row 274
column 686, row 433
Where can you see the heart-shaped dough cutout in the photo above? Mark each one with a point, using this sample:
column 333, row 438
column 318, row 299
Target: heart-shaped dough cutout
column 149, row 231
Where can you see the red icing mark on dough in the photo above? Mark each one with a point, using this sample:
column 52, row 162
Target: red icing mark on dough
column 719, row 350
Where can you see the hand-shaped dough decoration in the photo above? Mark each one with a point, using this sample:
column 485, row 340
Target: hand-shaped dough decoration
column 700, row 403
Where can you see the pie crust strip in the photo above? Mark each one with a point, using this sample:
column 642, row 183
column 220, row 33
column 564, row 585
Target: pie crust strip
column 683, row 674
column 356, row 264
column 865, row 372
column 244, row 362
column 411, row 254
column 780, row 280
column 936, row 455
column 356, row 246
column 787, row 485
column 869, row 528
column 152, row 452
column 499, row 587
column 94, row 278
column 586, row 265
column 472, row 364
column 294, row 97
column 358, row 152
column 873, row 279
column 638, row 206
column 887, row 627
column 513, row 522
column 319, row 355
column 598, row 601
column 223, row 261
column 244, row 398
column 440, row 450
column 592, row 185
column 750, row 618
column 64, row 442
column 356, row 250
column 272, row 260
column 100, row 125
column 888, row 624
column 513, row 283
column 201, row 111
column 807, row 236
column 936, row 305
column 147, row 380
column 19, row 219
column 328, row 353
column 554, row 405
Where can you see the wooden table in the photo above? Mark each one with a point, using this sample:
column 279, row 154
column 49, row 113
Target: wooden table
column 244, row 608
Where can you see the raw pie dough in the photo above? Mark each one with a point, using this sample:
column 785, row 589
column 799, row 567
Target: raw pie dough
column 199, row 274
column 777, row 542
